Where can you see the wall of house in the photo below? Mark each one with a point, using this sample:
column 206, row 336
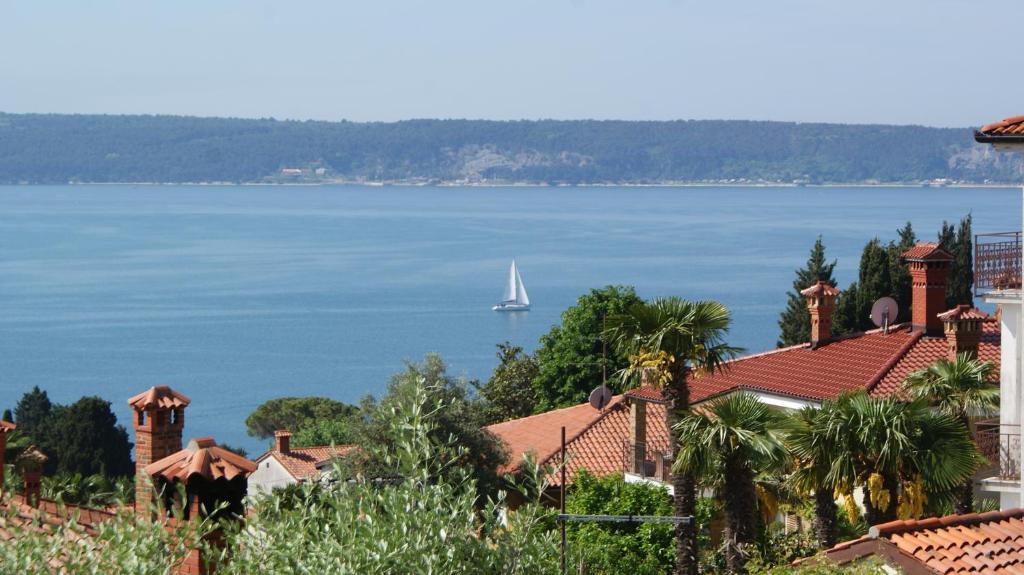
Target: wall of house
column 268, row 475
column 1009, row 393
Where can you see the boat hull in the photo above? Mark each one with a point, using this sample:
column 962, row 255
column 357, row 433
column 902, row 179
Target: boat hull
column 511, row 307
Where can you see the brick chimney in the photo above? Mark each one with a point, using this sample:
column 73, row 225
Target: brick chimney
column 5, row 428
column 30, row 464
column 929, row 268
column 962, row 326
column 159, row 420
column 283, row 441
column 637, row 434
column 821, row 302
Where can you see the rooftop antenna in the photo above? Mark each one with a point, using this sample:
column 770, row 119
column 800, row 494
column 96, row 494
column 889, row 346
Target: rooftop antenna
column 883, row 311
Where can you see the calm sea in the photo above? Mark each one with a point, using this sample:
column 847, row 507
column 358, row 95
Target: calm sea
column 234, row 295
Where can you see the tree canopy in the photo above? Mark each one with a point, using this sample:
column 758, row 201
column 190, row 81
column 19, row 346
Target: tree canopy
column 294, row 414
column 794, row 321
column 509, row 393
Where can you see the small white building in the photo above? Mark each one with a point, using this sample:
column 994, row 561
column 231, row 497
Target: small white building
column 284, row 465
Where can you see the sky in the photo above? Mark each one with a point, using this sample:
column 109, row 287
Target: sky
column 930, row 62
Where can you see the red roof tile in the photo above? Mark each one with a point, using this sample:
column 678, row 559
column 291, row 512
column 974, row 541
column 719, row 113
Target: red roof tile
column 204, row 458
column 963, row 311
column 302, row 462
column 1010, row 126
column 541, row 433
column 990, row 543
column 160, row 396
column 927, row 251
column 820, row 288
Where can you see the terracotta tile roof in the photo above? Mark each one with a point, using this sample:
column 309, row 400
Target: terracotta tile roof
column 16, row 517
column 600, row 448
column 541, row 433
column 927, row 251
column 204, row 458
column 990, row 543
column 302, row 462
column 963, row 311
column 160, row 396
column 820, row 288
column 1013, row 126
column 928, row 350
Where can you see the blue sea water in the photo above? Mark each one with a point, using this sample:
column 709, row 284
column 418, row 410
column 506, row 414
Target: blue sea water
column 234, row 295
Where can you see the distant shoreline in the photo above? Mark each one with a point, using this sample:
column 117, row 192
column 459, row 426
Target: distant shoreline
column 534, row 185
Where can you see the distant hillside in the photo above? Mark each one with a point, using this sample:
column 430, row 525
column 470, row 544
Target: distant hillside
column 75, row 148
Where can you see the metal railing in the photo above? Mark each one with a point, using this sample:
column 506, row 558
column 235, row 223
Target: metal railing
column 997, row 262
column 1000, row 444
column 639, row 459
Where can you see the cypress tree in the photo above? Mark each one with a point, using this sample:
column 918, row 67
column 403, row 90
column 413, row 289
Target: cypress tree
column 794, row 321
column 874, row 281
column 8, row 416
column 900, row 274
column 844, row 318
column 961, row 273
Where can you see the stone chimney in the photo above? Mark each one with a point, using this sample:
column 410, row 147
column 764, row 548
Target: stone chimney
column 637, row 434
column 929, row 268
column 5, row 428
column 159, row 420
column 962, row 326
column 30, row 464
column 283, row 441
column 821, row 302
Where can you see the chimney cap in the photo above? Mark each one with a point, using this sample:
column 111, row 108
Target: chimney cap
column 927, row 251
column 282, row 433
column 819, row 289
column 160, row 397
column 963, row 311
column 31, row 458
column 6, row 427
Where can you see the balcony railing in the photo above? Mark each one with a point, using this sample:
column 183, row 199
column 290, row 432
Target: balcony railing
column 639, row 459
column 997, row 262
column 1000, row 443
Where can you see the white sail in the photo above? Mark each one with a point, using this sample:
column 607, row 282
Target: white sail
column 521, row 297
column 510, row 288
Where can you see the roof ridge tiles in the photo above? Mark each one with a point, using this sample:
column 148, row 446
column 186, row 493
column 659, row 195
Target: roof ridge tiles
column 990, row 518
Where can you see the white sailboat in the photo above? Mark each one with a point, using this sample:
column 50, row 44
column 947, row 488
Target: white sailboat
column 515, row 298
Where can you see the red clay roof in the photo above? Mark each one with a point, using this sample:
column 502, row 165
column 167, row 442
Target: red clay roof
column 963, row 311
column 1010, row 126
column 160, row 397
column 927, row 251
column 301, row 462
column 991, row 543
column 820, row 288
column 204, row 458
column 541, row 433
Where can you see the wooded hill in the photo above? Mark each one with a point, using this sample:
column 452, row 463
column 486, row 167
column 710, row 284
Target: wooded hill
column 48, row 148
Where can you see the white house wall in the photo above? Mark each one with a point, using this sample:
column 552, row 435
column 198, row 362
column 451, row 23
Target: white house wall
column 269, row 474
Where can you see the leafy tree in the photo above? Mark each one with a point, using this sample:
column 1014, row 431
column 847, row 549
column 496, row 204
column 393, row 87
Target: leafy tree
column 959, row 388
column 726, row 446
column 509, row 394
column 795, row 322
column 570, row 354
column 461, row 421
column 668, row 338
column 85, row 438
column 640, row 549
column 339, row 431
column 293, row 413
column 33, row 414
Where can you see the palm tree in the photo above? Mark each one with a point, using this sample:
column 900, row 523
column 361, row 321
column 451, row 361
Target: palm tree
column 726, row 446
column 885, row 445
column 959, row 388
column 674, row 336
column 814, row 453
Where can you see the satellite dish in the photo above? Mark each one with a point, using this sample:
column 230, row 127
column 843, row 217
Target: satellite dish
column 600, row 397
column 884, row 312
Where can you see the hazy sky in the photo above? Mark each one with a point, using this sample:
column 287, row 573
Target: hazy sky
column 933, row 62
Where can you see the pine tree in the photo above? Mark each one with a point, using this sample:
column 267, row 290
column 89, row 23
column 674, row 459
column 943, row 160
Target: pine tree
column 794, row 321
column 7, row 416
column 874, row 281
column 33, row 414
